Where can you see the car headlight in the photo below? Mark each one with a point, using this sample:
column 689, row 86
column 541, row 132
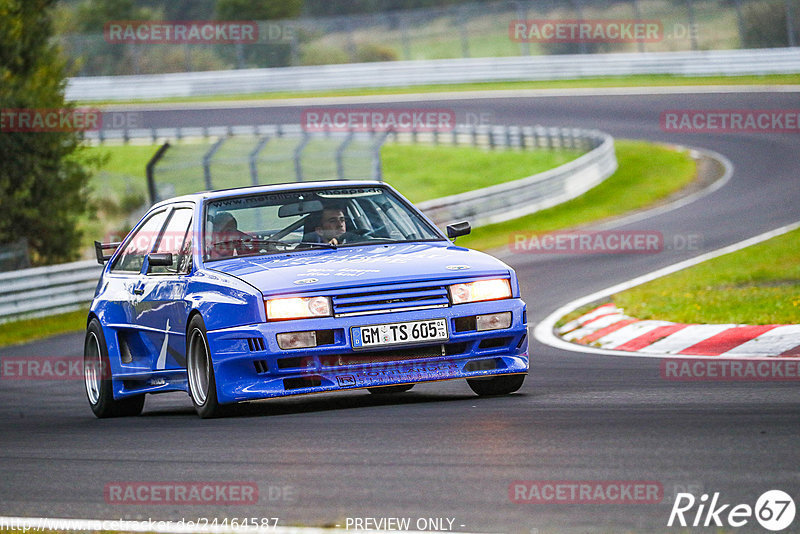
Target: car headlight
column 297, row 308
column 480, row 290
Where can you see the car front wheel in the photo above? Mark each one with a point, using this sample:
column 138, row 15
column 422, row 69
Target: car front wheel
column 200, row 371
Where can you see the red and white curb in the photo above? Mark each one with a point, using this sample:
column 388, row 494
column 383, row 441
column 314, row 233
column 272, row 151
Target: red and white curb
column 781, row 338
column 607, row 327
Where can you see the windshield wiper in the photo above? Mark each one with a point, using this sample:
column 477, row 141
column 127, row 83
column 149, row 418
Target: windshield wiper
column 318, row 244
column 249, row 241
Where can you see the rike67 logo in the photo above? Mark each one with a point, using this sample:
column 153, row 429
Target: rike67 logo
column 774, row 510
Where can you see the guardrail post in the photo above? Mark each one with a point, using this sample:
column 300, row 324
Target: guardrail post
column 637, row 14
column 351, row 44
column 340, row 154
column 377, row 172
column 579, row 12
column 207, row 162
column 298, row 168
column 692, row 32
column 253, row 157
column 790, row 24
column 149, row 171
column 522, row 14
column 294, row 48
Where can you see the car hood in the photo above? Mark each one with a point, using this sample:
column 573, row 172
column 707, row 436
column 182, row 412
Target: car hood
column 358, row 266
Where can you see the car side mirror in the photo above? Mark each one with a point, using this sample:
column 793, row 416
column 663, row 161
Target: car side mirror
column 458, row 229
column 155, row 259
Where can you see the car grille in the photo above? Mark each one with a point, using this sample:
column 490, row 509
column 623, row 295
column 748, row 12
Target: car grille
column 390, row 297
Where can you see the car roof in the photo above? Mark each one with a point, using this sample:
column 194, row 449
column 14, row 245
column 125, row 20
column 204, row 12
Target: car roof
column 271, row 188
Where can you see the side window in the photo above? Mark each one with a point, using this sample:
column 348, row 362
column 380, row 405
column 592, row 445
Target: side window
column 140, row 244
column 172, row 240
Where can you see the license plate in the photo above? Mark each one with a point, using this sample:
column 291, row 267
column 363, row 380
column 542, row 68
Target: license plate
column 398, row 333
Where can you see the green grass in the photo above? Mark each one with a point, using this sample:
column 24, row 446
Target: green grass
column 422, row 172
column 124, row 170
column 654, row 80
column 26, row 330
column 647, row 173
column 756, row 285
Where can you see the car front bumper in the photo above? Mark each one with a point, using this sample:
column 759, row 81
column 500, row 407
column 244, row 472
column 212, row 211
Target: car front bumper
column 249, row 364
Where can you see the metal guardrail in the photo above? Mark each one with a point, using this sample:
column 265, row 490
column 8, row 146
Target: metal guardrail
column 510, row 200
column 59, row 288
column 409, row 73
column 47, row 290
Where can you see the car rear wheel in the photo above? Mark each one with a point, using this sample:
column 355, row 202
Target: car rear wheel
column 390, row 389
column 97, row 378
column 498, row 385
column 200, row 371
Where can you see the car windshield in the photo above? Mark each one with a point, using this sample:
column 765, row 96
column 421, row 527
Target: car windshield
column 312, row 218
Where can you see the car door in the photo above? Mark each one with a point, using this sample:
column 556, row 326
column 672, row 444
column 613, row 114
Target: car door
column 162, row 309
column 122, row 291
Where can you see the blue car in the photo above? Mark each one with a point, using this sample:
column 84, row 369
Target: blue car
column 289, row 289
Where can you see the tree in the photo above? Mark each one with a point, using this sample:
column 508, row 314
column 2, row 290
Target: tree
column 93, row 14
column 43, row 181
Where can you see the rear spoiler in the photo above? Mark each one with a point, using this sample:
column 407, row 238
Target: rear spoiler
column 100, row 247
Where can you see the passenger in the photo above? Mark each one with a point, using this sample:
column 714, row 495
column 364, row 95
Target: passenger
column 228, row 240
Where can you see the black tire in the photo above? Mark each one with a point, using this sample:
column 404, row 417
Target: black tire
column 200, row 371
column 390, row 389
column 97, row 378
column 498, row 385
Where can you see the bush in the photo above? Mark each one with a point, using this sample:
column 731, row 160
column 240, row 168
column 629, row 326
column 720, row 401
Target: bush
column 319, row 54
column 370, row 52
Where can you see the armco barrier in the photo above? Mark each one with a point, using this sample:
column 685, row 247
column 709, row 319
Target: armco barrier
column 59, row 288
column 47, row 290
column 510, row 200
column 409, row 73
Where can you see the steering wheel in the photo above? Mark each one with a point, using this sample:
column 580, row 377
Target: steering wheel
column 363, row 232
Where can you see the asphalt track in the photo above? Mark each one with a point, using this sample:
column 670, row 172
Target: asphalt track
column 439, row 451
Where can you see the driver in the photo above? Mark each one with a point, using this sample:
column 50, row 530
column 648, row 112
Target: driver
column 330, row 225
